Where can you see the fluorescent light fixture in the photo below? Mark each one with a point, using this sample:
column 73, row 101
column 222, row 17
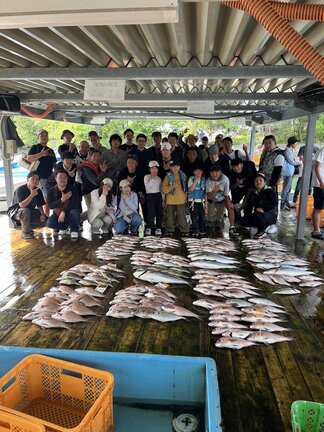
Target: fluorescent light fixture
column 60, row 13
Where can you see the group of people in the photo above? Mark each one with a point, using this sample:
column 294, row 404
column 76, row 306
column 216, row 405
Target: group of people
column 162, row 184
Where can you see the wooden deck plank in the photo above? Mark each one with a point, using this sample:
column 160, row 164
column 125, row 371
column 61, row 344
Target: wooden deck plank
column 257, row 385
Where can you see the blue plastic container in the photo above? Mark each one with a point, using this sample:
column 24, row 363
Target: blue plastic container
column 149, row 389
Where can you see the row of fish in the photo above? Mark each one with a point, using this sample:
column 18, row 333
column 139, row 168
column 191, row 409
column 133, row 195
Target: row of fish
column 148, row 302
column 243, row 320
column 117, row 247
column 161, row 267
column 276, row 265
column 157, row 243
column 72, row 301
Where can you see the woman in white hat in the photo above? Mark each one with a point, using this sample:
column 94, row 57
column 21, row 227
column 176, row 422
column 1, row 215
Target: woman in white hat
column 101, row 213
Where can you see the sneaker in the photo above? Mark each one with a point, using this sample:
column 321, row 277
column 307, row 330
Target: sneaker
column 271, row 229
column 253, row 231
column 319, row 236
column 186, row 234
column 292, row 205
column 148, row 231
column 74, row 234
column 62, row 232
column 260, row 235
column 27, row 235
column 134, row 233
column 195, row 234
column 93, row 233
column 202, row 233
column 234, row 231
column 158, row 232
column 105, row 230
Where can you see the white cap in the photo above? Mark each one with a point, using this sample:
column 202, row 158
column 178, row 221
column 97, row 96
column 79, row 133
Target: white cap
column 153, row 163
column 108, row 181
column 166, row 146
column 124, row 183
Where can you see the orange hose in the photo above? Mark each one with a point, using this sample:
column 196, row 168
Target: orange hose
column 37, row 116
column 281, row 30
column 289, row 11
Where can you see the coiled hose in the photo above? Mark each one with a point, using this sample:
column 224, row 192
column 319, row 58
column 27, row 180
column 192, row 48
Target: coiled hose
column 37, row 116
column 264, row 12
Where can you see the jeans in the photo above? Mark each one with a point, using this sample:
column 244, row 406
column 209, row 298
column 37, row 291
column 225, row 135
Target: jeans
column 154, row 210
column 197, row 213
column 259, row 220
column 72, row 220
column 121, row 225
column 287, row 181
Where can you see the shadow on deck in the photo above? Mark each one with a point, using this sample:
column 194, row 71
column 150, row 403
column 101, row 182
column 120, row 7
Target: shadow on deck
column 257, row 384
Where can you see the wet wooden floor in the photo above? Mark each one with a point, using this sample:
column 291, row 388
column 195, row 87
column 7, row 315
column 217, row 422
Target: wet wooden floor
column 257, row 385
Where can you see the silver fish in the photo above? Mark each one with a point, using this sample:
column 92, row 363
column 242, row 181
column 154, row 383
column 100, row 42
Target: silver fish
column 165, row 316
column 241, row 334
column 263, row 301
column 268, row 338
column 270, row 327
column 179, row 310
column 233, row 343
column 227, row 324
column 287, row 291
column 155, row 277
column 289, row 271
column 207, row 304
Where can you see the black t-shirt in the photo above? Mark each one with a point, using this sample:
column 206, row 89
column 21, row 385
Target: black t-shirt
column 46, row 163
column 65, row 147
column 23, row 192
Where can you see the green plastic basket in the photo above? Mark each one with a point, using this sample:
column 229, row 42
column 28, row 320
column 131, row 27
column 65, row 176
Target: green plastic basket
column 307, row 416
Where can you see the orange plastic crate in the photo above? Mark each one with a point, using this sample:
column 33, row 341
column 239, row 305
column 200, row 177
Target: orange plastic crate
column 57, row 396
column 309, row 208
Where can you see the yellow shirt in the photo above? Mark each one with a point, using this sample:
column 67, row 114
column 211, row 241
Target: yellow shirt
column 179, row 196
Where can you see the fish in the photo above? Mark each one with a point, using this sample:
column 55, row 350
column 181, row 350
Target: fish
column 263, row 309
column 64, row 289
column 270, row 327
column 48, row 323
column 34, row 315
column 235, row 293
column 207, row 304
column 46, row 308
column 279, row 280
column 287, row 291
column 264, row 278
column 268, row 337
column 86, row 299
column 227, row 324
column 233, row 343
column 79, row 308
column 208, row 291
column 237, row 333
column 224, row 317
column 238, row 302
column 69, row 317
column 155, row 277
column 123, row 313
column 165, row 316
column 89, row 291
column 263, row 301
column 289, row 271
column 179, row 310
column 226, row 309
column 211, row 265
column 259, row 318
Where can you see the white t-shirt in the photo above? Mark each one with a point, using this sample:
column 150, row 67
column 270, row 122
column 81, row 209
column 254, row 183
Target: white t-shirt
column 237, row 153
column 223, row 183
column 319, row 157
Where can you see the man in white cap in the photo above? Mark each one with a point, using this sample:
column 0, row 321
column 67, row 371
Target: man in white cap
column 165, row 159
column 153, row 189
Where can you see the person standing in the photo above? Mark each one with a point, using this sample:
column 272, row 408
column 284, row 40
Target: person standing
column 153, row 185
column 115, row 158
column 95, row 143
column 47, row 162
column 288, row 171
column 67, row 137
column 271, row 161
column 196, row 200
column 82, row 156
column 30, row 212
column 174, row 187
column 318, row 185
column 156, row 147
column 128, row 144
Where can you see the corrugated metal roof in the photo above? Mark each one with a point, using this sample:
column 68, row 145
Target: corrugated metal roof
column 207, row 35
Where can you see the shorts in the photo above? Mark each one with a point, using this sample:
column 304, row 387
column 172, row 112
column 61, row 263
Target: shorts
column 318, row 198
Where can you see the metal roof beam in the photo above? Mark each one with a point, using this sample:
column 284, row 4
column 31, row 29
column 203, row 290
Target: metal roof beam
column 164, row 73
column 52, row 97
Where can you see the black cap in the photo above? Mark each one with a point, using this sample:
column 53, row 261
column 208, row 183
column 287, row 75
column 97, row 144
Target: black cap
column 236, row 161
column 259, row 174
column 292, row 140
column 215, row 167
column 65, row 132
column 67, row 155
column 32, row 173
column 132, row 156
column 93, row 133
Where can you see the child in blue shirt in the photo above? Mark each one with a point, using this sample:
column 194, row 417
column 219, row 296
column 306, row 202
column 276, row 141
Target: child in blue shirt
column 196, row 199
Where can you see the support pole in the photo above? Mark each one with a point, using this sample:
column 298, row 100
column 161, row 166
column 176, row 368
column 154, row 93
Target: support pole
column 252, row 141
column 307, row 170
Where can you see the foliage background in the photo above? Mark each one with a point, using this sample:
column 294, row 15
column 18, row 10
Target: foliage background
column 28, row 129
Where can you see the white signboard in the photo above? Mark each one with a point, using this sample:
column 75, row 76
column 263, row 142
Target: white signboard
column 237, row 121
column 200, row 107
column 104, row 90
